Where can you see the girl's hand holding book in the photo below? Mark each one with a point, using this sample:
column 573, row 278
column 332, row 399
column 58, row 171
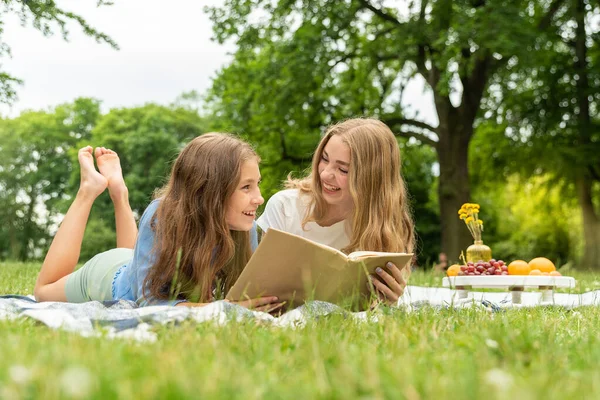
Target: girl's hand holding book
column 388, row 283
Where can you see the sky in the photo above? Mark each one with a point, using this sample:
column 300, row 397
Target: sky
column 165, row 50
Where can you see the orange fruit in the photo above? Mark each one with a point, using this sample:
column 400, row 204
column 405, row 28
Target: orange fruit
column 543, row 264
column 555, row 273
column 518, row 267
column 535, row 272
column 453, row 270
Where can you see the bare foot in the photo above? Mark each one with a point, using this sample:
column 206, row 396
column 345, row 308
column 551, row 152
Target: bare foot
column 110, row 168
column 91, row 181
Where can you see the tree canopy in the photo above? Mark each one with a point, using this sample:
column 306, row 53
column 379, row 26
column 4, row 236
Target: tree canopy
column 301, row 65
column 543, row 119
column 48, row 18
column 35, row 168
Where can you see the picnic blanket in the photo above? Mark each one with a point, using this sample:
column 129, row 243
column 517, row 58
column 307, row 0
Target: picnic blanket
column 123, row 319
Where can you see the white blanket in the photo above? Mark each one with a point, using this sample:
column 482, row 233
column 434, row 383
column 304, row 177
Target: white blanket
column 123, row 319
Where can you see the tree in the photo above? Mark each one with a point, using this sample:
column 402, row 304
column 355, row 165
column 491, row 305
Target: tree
column 45, row 16
column 527, row 213
column 547, row 111
column 39, row 173
column 417, row 170
column 302, row 64
column 147, row 139
column 34, row 171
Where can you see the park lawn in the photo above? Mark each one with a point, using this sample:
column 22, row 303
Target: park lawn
column 548, row 353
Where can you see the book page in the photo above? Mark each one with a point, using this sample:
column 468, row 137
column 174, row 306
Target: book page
column 367, row 265
column 400, row 260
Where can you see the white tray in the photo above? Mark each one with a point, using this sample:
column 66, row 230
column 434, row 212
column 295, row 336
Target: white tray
column 509, row 281
column 515, row 283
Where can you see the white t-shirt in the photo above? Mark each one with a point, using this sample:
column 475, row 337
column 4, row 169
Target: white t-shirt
column 285, row 211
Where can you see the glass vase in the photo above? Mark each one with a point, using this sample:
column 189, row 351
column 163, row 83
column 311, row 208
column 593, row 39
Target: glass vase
column 478, row 252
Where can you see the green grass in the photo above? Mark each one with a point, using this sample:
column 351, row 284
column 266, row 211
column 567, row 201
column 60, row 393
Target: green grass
column 548, row 353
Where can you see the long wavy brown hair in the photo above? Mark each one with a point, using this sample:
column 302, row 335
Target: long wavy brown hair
column 195, row 252
column 380, row 219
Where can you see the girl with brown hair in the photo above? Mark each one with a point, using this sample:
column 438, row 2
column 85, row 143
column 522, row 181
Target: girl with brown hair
column 353, row 199
column 194, row 239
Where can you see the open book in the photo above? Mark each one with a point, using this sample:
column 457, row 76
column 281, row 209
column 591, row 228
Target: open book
column 296, row 269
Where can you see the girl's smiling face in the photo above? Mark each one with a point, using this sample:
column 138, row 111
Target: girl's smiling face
column 333, row 172
column 242, row 205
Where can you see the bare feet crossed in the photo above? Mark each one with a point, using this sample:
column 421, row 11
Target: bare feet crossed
column 110, row 168
column 92, row 183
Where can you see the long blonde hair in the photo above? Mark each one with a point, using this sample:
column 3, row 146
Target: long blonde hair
column 380, row 220
column 194, row 250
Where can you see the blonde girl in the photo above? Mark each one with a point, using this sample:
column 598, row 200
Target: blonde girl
column 194, row 238
column 353, row 199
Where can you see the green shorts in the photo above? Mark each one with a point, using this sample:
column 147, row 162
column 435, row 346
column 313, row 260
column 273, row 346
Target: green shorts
column 94, row 281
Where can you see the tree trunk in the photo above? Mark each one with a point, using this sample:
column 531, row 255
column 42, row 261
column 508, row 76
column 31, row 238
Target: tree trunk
column 584, row 182
column 15, row 244
column 453, row 189
column 591, row 224
column 455, row 131
column 28, row 231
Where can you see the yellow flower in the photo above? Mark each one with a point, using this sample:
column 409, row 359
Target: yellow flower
column 469, row 212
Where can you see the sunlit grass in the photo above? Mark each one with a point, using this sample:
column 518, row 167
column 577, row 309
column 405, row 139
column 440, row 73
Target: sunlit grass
column 549, row 353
